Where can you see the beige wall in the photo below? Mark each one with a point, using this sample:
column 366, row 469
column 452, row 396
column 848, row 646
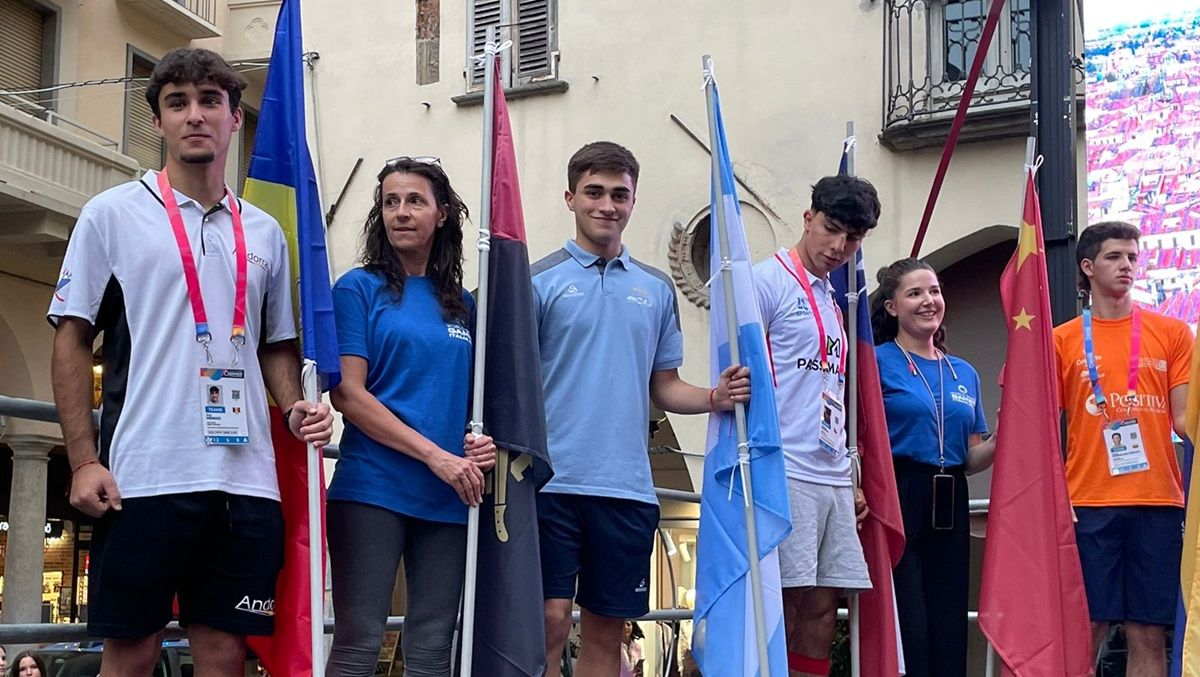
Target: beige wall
column 790, row 78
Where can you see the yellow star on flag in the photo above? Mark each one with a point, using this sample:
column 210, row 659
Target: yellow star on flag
column 1023, row 319
column 1027, row 243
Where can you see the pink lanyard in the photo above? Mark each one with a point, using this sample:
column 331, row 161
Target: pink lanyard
column 237, row 334
column 812, row 303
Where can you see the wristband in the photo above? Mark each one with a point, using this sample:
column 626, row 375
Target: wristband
column 287, row 415
column 75, row 468
column 712, row 406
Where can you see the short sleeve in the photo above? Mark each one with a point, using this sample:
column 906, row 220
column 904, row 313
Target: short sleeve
column 85, row 273
column 669, row 352
column 1182, row 344
column 980, row 427
column 765, row 297
column 350, row 312
column 281, row 322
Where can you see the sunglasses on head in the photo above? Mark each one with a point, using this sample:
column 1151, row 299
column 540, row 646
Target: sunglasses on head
column 422, row 159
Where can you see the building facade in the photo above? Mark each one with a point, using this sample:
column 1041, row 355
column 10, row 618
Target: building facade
column 791, row 76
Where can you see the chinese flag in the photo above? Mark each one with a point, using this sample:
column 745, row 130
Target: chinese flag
column 1032, row 606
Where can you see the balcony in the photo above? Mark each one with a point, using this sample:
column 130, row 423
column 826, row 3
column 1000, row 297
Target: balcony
column 192, row 19
column 48, row 173
column 928, row 48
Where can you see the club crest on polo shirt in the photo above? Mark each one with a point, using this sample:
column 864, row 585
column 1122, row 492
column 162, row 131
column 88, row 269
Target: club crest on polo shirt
column 572, row 292
column 640, row 296
column 802, row 307
column 457, row 331
column 260, row 607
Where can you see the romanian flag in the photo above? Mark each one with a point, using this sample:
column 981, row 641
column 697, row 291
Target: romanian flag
column 1185, row 653
column 1032, row 605
column 282, row 183
column 510, row 639
column 882, row 534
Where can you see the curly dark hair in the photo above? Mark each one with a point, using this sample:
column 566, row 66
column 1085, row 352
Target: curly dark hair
column 194, row 66
column 850, row 201
column 446, row 256
column 884, row 324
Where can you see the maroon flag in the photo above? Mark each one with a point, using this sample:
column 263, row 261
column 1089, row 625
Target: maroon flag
column 1032, row 605
column 510, row 639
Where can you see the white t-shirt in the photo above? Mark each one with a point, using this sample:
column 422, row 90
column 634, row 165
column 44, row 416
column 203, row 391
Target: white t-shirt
column 122, row 273
column 800, row 381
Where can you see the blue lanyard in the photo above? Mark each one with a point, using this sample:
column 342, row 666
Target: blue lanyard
column 1089, row 354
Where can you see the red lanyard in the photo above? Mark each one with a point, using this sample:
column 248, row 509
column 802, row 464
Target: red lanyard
column 237, row 334
column 801, row 275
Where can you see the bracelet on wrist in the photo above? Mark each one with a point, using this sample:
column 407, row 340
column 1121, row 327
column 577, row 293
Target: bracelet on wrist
column 712, row 405
column 75, row 468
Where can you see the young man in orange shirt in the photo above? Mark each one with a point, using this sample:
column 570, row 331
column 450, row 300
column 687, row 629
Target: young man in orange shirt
column 1124, row 391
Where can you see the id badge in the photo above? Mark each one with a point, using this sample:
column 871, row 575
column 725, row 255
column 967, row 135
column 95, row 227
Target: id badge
column 833, row 426
column 1126, row 451
column 223, row 406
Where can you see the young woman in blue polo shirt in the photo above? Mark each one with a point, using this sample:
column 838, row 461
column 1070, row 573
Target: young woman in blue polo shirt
column 406, row 473
column 935, row 423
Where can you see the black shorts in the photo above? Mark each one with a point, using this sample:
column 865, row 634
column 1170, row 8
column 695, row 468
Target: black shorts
column 605, row 543
column 220, row 553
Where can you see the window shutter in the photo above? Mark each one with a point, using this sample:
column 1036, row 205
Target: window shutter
column 142, row 142
column 22, row 32
column 484, row 13
column 249, row 135
column 534, row 41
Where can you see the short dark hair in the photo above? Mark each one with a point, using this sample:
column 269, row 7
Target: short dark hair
column 1092, row 239
column 850, row 201
column 601, row 156
column 196, row 67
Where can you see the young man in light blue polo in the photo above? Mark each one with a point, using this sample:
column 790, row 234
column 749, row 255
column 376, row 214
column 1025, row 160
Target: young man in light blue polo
column 608, row 327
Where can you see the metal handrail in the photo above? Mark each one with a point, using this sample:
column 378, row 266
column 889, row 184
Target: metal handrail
column 39, row 633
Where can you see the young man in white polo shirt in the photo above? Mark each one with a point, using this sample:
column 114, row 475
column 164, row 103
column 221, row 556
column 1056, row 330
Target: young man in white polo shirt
column 822, row 558
column 191, row 289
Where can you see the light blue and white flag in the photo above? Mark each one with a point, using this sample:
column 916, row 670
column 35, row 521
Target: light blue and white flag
column 724, row 640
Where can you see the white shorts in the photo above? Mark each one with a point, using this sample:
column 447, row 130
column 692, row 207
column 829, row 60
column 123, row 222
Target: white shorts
column 823, row 549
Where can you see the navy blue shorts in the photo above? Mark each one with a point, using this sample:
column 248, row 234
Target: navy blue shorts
column 604, row 543
column 220, row 553
column 1130, row 558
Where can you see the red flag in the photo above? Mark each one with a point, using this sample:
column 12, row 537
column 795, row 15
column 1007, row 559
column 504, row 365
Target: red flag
column 510, row 622
column 882, row 535
column 1032, row 605
column 288, row 652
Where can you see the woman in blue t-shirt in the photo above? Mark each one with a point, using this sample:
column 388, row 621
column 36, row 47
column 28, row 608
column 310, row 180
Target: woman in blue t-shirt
column 406, row 474
column 935, row 424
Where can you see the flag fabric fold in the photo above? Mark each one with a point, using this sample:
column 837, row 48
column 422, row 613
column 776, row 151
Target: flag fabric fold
column 1032, row 604
column 724, row 641
column 510, row 621
column 882, row 534
column 281, row 182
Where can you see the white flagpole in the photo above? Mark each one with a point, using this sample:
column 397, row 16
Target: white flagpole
column 739, row 410
column 852, row 407
column 316, row 551
column 483, row 244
